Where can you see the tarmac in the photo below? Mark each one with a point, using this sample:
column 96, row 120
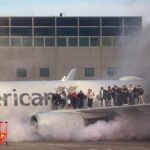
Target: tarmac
column 100, row 145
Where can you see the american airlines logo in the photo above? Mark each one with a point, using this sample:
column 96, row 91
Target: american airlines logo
column 24, row 99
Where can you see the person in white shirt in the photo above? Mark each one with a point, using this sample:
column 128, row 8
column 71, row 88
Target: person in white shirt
column 90, row 96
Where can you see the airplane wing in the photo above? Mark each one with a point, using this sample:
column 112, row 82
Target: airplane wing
column 74, row 118
column 113, row 111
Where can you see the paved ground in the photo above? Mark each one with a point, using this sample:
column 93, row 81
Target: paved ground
column 101, row 145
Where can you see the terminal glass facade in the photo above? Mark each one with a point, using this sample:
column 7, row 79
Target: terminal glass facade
column 67, row 31
column 46, row 48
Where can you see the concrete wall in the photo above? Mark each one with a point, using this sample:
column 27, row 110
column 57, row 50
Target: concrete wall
column 59, row 60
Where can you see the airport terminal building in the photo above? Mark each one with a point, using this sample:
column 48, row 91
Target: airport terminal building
column 46, row 48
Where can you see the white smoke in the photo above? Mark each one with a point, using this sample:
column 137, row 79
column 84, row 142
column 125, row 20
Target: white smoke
column 135, row 55
column 19, row 130
column 134, row 59
column 123, row 127
column 126, row 126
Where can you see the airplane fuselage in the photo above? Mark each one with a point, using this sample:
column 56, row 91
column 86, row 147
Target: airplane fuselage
column 28, row 97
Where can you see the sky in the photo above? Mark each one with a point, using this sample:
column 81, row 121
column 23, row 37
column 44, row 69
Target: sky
column 75, row 8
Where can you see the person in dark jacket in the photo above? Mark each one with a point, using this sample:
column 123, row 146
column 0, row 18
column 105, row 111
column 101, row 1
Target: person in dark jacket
column 81, row 98
column 140, row 94
column 109, row 93
column 103, row 96
column 124, row 93
column 114, row 96
column 119, row 96
column 135, row 95
column 56, row 99
column 130, row 94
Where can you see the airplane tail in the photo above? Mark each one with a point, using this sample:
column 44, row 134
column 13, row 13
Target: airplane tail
column 70, row 76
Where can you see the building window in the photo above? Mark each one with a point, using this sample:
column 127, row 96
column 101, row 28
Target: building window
column 44, row 21
column 84, row 41
column 94, row 41
column 49, row 42
column 21, row 21
column 4, row 21
column 111, row 71
column 112, row 31
column 26, row 42
column 61, row 21
column 107, row 41
column 117, row 41
column 4, row 31
column 67, row 31
column 16, row 42
column 89, row 31
column 21, row 72
column 89, row 21
column 44, row 31
column 61, row 42
column 72, row 41
column 132, row 31
column 21, row 31
column 132, row 21
column 44, row 72
column 4, row 42
column 39, row 42
column 112, row 21
column 89, row 72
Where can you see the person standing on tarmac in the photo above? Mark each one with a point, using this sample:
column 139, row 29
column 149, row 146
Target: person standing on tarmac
column 90, row 96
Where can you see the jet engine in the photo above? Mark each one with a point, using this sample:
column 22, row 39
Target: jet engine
column 57, row 120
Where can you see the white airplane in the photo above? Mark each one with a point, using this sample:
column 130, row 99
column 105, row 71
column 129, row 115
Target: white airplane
column 32, row 99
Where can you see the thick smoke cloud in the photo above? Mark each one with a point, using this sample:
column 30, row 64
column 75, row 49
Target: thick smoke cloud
column 135, row 54
column 135, row 58
column 129, row 126
column 126, row 126
column 20, row 130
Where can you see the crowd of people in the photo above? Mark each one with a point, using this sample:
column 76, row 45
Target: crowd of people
column 121, row 95
column 68, row 99
column 112, row 96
